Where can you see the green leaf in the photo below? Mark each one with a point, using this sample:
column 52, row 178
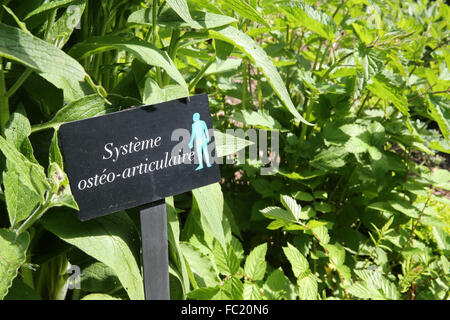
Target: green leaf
column 20, row 199
column 54, row 151
column 275, row 286
column 200, row 265
column 337, row 253
column 210, row 203
column 226, row 262
column 169, row 19
column 182, row 9
column 153, row 94
column 51, row 63
column 292, row 205
column 204, row 293
column 30, row 174
column 99, row 296
column 278, row 213
column 245, row 10
column 251, row 291
column 142, row 50
column 21, row 291
column 87, row 107
column 383, row 89
column 255, row 264
column 303, row 196
column 440, row 111
column 98, row 277
column 302, row 14
column 373, row 285
column 59, row 182
column 297, row 260
column 108, row 239
column 255, row 53
column 13, row 250
column 307, row 286
column 404, row 207
column 50, row 5
column 259, row 119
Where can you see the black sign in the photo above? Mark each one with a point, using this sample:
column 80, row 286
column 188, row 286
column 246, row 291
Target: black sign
column 136, row 156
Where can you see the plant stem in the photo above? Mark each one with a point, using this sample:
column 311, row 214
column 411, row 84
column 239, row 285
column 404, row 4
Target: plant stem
column 40, row 210
column 362, row 104
column 201, row 72
column 334, row 66
column 18, row 83
column 307, row 115
column 244, row 83
column 4, row 105
column 50, row 21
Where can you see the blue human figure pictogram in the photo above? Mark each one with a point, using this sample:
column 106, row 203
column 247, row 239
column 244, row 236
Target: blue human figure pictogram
column 200, row 135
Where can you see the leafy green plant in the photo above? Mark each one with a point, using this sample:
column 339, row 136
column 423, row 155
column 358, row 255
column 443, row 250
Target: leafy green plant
column 357, row 90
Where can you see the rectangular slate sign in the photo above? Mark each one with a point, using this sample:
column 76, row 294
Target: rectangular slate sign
column 140, row 155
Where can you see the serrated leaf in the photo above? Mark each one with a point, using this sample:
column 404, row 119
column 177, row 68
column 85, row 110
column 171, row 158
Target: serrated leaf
column 245, row 10
column 307, row 286
column 297, row 260
column 373, row 286
column 13, row 250
column 386, row 91
column 291, row 205
column 251, row 291
column 439, row 110
column 255, row 264
column 278, row 213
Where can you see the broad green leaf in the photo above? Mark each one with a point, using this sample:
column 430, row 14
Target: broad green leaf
column 278, row 213
column 99, row 296
column 218, row 67
column 373, row 285
column 170, row 19
column 275, row 286
column 439, row 110
column 210, row 204
column 21, row 291
column 303, row 196
column 228, row 144
column 337, row 253
column 153, row 94
column 30, row 174
column 200, row 265
column 255, row 264
column 17, row 132
column 259, row 119
column 381, row 87
column 297, row 260
column 49, row 5
column 98, row 277
column 51, row 63
column 182, row 9
column 251, row 291
column 204, row 293
column 291, row 205
column 404, row 207
column 245, row 10
column 108, row 239
column 87, row 107
column 255, row 53
column 64, row 26
column 321, row 232
column 226, row 262
column 302, row 14
column 307, row 286
column 21, row 200
column 13, row 250
column 142, row 50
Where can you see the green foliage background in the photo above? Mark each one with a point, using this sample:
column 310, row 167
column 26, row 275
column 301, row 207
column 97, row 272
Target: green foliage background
column 357, row 90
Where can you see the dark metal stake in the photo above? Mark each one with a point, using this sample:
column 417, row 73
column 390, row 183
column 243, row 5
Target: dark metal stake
column 155, row 251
